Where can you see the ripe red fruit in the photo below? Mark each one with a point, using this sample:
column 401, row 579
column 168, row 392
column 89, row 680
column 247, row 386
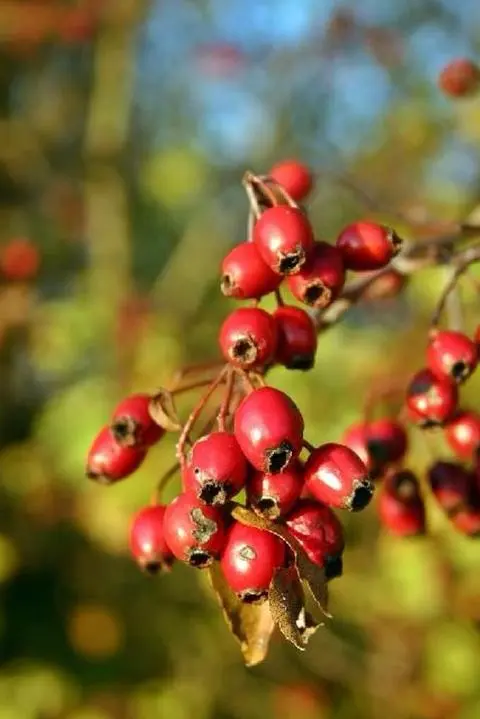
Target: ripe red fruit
column 462, row 433
column 108, row 461
column 248, row 337
column 451, row 485
column 400, row 505
column 249, row 561
column 467, row 520
column 386, row 441
column 147, row 541
column 321, row 280
column 294, row 177
column 452, row 354
column 245, row 275
column 367, row 246
column 272, row 495
column 335, row 475
column 132, row 424
column 297, row 338
column 194, row 531
column 269, row 429
column 320, row 533
column 355, row 437
column 284, row 238
column 19, row 259
column 217, row 468
column 460, row 78
column 430, row 400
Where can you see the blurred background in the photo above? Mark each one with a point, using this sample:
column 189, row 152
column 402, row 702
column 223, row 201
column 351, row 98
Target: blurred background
column 125, row 128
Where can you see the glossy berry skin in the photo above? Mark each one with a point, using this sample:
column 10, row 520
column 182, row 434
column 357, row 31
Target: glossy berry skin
column 401, row 509
column 367, row 246
column 430, row 400
column 245, row 275
column 273, row 495
column 451, row 485
column 460, row 78
column 387, row 441
column 108, row 461
column 294, row 177
column 132, row 423
column 249, row 561
column 269, row 429
column 194, row 532
column 217, row 468
column 452, row 354
column 297, row 338
column 320, row 533
column 462, row 433
column 284, row 238
column 248, row 338
column 335, row 475
column 147, row 541
column 321, row 280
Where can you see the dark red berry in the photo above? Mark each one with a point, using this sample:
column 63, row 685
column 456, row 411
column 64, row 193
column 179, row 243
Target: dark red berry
column 245, row 275
column 386, row 441
column 452, row 354
column 217, row 468
column 451, row 485
column 269, row 429
column 284, row 238
column 132, row 423
column 294, row 177
column 248, row 338
column 108, row 461
column 297, row 338
column 320, row 281
column 249, row 561
column 460, row 78
column 335, row 475
column 355, row 437
column 367, row 246
column 147, row 541
column 462, row 433
column 194, row 531
column 400, row 505
column 272, row 495
column 430, row 400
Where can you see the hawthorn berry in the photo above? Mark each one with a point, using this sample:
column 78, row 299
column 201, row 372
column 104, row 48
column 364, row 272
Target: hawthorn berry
column 132, row 423
column 467, row 519
column 294, row 177
column 194, row 532
column 462, row 433
column 321, row 280
column 297, row 338
column 335, row 474
column 245, row 275
column 430, row 400
column 355, row 437
column 367, row 246
column 269, row 429
column 400, row 506
column 272, row 495
column 108, row 461
column 217, row 468
column 19, row 259
column 147, row 540
column 248, row 337
column 284, row 238
column 386, row 441
column 451, row 485
column 460, row 78
column 249, row 560
column 452, row 354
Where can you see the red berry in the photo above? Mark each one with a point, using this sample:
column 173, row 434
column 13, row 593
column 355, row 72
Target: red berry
column 248, row 338
column 147, row 541
column 194, row 531
column 272, row 495
column 217, row 468
column 284, row 238
column 322, row 279
column 430, row 400
column 249, row 561
column 451, row 485
column 400, row 505
column 245, row 275
column 460, row 78
column 367, row 246
column 132, row 423
column 320, row 533
column 19, row 259
column 462, row 433
column 335, row 475
column 108, row 461
column 294, row 177
column 467, row 520
column 452, row 354
column 386, row 441
column 269, row 429
column 297, row 338
column 355, row 437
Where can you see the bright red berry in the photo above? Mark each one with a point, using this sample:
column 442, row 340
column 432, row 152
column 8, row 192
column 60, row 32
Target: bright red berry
column 294, row 177
column 452, row 354
column 367, row 246
column 297, row 338
column 108, row 461
column 269, row 429
column 321, row 280
column 147, row 541
column 400, row 505
column 386, row 441
column 272, row 495
column 249, row 561
column 248, row 337
column 462, row 433
column 430, row 400
column 460, row 78
column 217, row 468
column 19, row 259
column 284, row 238
column 194, row 531
column 355, row 437
column 245, row 275
column 132, row 423
column 451, row 485
column 335, row 474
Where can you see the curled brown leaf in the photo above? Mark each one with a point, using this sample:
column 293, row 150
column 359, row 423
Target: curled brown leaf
column 163, row 411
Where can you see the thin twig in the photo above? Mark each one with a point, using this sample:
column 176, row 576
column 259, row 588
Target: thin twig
column 225, row 406
column 460, row 266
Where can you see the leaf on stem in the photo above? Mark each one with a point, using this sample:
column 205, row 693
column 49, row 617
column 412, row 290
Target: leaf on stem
column 287, row 605
column 163, row 411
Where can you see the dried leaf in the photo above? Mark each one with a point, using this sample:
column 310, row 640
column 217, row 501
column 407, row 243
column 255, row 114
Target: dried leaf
column 163, row 411
column 251, row 624
column 287, row 605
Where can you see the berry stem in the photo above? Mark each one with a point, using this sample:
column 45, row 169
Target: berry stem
column 256, row 183
column 226, row 402
column 194, row 369
column 266, row 180
column 252, row 218
column 308, row 445
column 468, row 258
column 279, row 298
column 247, row 380
column 163, row 481
column 192, row 386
